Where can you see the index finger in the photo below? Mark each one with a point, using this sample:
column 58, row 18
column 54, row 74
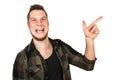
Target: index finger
column 97, row 20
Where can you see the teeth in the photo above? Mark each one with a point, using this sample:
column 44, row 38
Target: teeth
column 40, row 30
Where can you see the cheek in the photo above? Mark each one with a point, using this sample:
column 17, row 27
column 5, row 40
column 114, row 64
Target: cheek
column 31, row 26
column 47, row 25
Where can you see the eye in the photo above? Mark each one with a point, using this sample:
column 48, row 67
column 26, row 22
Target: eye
column 33, row 19
column 44, row 18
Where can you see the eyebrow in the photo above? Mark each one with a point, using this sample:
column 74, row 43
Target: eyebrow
column 41, row 17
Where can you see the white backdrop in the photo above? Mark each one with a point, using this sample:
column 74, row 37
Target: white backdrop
column 65, row 18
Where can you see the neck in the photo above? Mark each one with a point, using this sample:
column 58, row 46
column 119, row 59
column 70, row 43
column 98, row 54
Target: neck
column 42, row 45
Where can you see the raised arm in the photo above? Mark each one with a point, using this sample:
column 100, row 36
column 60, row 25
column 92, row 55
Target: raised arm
column 90, row 33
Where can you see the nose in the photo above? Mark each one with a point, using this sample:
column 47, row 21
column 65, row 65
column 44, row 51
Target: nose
column 39, row 22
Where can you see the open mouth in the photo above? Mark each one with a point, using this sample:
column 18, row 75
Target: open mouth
column 39, row 30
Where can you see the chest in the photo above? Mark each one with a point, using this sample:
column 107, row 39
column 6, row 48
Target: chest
column 46, row 53
column 52, row 68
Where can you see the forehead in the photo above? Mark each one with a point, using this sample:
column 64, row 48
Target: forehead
column 36, row 13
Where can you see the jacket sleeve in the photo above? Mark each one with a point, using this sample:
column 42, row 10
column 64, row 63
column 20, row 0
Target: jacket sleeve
column 77, row 59
column 20, row 67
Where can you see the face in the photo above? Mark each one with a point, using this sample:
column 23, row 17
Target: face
column 38, row 24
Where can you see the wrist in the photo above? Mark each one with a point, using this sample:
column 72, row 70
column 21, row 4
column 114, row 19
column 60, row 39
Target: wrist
column 89, row 41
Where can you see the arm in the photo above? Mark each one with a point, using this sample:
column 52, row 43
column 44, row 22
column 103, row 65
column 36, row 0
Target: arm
column 90, row 49
column 19, row 68
column 75, row 58
column 90, row 34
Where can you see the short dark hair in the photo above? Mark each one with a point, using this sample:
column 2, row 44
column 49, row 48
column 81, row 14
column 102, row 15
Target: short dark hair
column 36, row 7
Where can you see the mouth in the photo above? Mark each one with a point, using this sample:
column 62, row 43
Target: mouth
column 39, row 30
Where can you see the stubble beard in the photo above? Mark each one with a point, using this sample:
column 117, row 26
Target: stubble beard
column 40, row 39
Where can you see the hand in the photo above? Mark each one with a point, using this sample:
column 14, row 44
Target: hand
column 92, row 30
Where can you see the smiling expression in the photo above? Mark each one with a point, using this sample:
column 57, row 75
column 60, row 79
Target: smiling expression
column 38, row 24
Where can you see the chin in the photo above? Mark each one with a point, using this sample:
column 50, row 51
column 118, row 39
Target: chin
column 40, row 38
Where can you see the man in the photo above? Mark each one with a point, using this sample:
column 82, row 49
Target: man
column 48, row 59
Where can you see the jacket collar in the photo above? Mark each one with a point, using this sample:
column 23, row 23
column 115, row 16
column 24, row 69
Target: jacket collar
column 30, row 47
column 55, row 44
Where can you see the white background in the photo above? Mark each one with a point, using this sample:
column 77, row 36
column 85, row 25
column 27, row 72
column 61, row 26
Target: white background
column 65, row 17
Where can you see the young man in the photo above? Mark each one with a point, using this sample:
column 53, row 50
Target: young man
column 48, row 59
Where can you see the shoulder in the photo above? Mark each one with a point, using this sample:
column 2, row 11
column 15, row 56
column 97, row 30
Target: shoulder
column 21, row 57
column 20, row 65
column 22, row 53
column 57, row 42
column 60, row 44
